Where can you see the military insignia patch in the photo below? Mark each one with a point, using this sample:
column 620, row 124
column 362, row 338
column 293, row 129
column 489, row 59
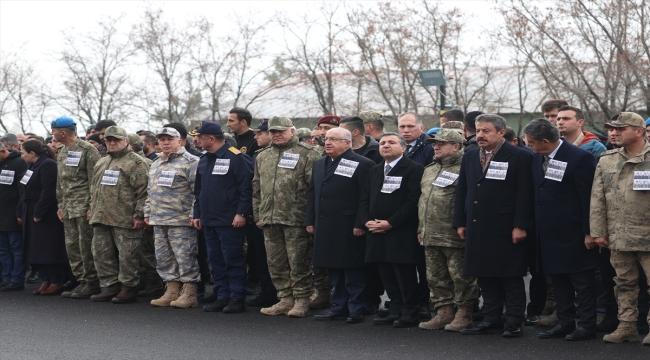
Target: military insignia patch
column 243, row 149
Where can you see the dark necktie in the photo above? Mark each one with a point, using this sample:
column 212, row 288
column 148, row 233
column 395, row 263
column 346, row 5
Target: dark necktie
column 387, row 169
column 408, row 148
column 547, row 159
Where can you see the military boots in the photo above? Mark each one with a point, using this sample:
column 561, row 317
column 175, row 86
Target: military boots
column 89, row 289
column 300, row 308
column 444, row 316
column 322, row 300
column 108, row 293
column 127, row 295
column 626, row 331
column 462, row 320
column 187, row 299
column 282, row 308
column 171, row 293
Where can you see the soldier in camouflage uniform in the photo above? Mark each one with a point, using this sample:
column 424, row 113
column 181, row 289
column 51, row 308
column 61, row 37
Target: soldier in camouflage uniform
column 444, row 249
column 618, row 217
column 118, row 192
column 150, row 281
column 168, row 209
column 373, row 123
column 280, row 184
column 76, row 161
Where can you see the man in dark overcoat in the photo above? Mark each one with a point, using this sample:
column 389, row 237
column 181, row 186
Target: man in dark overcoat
column 493, row 212
column 333, row 217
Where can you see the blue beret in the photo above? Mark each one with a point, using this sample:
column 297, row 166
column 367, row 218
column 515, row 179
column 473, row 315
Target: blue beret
column 433, row 131
column 63, row 122
column 647, row 122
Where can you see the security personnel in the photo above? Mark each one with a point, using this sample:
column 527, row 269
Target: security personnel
column 223, row 202
column 239, row 122
column 76, row 161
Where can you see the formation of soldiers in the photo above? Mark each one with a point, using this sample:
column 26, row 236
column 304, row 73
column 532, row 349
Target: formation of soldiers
column 274, row 202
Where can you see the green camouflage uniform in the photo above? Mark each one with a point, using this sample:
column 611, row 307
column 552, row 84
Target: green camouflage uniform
column 620, row 214
column 113, row 208
column 444, row 249
column 279, row 204
column 73, row 197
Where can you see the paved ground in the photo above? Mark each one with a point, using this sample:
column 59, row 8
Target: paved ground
column 38, row 327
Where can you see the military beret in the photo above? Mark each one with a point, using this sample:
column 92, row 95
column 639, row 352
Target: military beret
column 63, row 122
column 330, row 119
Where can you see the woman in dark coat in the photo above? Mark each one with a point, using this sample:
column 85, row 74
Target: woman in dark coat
column 42, row 229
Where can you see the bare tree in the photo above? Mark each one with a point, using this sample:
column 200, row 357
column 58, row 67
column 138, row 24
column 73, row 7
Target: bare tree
column 18, row 91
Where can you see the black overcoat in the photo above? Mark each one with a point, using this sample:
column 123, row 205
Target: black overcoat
column 562, row 212
column 9, row 194
column 399, row 208
column 490, row 209
column 333, row 203
column 44, row 240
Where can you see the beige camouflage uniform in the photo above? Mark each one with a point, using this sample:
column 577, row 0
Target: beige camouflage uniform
column 73, row 197
column 113, row 208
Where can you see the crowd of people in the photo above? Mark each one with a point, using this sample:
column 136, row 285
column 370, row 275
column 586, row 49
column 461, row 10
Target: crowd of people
column 335, row 217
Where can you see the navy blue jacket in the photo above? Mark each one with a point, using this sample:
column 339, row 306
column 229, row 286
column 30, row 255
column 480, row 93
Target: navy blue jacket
column 562, row 212
column 421, row 152
column 220, row 197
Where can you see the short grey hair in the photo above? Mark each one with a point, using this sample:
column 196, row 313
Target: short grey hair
column 345, row 133
column 10, row 139
column 417, row 118
column 496, row 120
column 402, row 142
column 540, row 129
column 229, row 138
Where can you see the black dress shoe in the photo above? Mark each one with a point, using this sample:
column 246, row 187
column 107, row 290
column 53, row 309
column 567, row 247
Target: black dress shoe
column 12, row 286
column 482, row 328
column 512, row 331
column 234, row 306
column 406, row 321
column 70, row 285
column 386, row 320
column 33, row 278
column 424, row 313
column 354, row 318
column 557, row 332
column 331, row 316
column 218, row 306
column 208, row 299
column 3, row 284
column 581, row 334
column 531, row 320
column 263, row 300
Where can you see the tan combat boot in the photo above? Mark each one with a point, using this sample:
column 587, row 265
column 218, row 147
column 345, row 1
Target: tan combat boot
column 444, row 315
column 300, row 308
column 322, row 300
column 282, row 308
column 187, row 299
column 462, row 320
column 551, row 320
column 626, row 331
column 171, row 293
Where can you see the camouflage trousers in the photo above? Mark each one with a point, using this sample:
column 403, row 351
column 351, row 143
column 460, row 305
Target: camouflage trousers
column 176, row 253
column 147, row 271
column 78, row 245
column 121, row 267
column 626, row 264
column 288, row 251
column 447, row 284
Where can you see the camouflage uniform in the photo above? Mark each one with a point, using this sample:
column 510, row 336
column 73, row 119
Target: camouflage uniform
column 73, row 197
column 113, row 208
column 620, row 214
column 169, row 209
column 279, row 204
column 444, row 249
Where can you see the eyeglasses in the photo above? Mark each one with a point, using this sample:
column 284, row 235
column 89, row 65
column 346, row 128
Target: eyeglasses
column 332, row 139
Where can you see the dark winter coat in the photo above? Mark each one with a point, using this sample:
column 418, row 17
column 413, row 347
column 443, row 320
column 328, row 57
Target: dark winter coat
column 9, row 194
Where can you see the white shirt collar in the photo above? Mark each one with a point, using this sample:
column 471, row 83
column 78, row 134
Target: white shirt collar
column 393, row 163
column 552, row 155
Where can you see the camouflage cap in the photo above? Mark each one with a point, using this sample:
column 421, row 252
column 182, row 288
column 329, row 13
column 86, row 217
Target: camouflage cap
column 169, row 131
column 626, row 119
column 446, row 135
column 369, row 115
column 452, row 125
column 116, row 132
column 134, row 139
column 280, row 123
column 303, row 133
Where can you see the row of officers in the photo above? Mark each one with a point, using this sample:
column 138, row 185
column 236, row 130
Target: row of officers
column 461, row 227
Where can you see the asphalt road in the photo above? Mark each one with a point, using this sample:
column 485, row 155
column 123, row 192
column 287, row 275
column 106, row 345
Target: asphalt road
column 39, row 327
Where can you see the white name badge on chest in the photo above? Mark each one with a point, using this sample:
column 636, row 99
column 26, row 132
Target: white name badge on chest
column 641, row 180
column 110, row 177
column 497, row 170
column 445, row 179
column 221, row 167
column 7, row 177
column 391, row 183
column 555, row 170
column 289, row 160
column 73, row 159
column 346, row 168
column 26, row 177
column 166, row 178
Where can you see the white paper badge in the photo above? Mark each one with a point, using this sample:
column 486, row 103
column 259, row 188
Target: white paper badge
column 555, row 170
column 166, row 178
column 26, row 177
column 7, row 177
column 641, row 180
column 445, row 179
column 221, row 167
column 346, row 168
column 289, row 160
column 391, row 183
column 110, row 177
column 497, row 170
column 73, row 158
